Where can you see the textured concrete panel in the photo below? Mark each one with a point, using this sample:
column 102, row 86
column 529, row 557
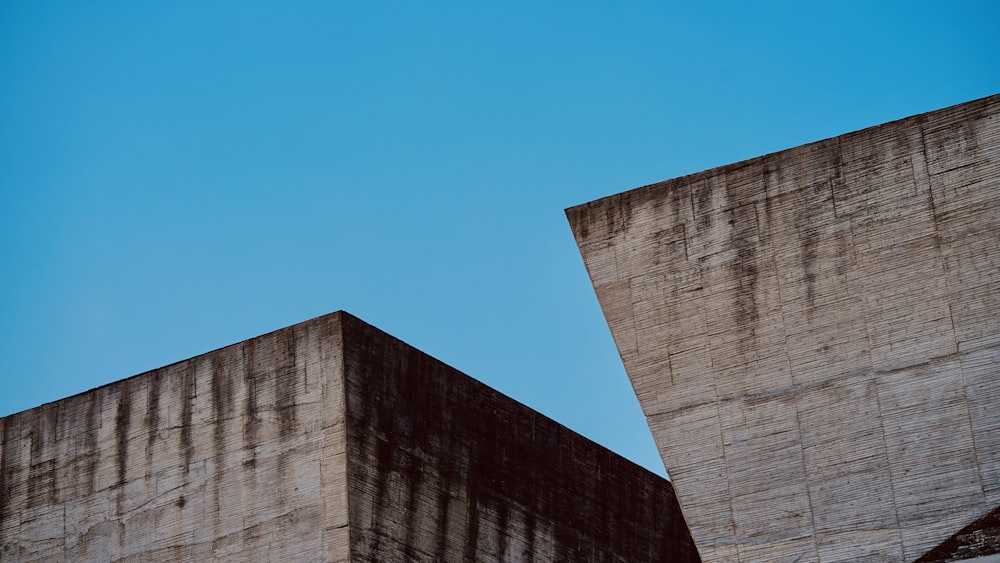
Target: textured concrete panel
column 814, row 337
column 216, row 457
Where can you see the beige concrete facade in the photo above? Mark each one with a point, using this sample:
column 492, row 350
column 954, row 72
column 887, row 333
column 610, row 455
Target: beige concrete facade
column 814, row 337
column 238, row 454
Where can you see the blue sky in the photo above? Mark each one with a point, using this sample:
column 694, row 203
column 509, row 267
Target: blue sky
column 179, row 176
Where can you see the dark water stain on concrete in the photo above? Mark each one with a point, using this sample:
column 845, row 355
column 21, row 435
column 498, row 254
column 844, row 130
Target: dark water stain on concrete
column 42, row 465
column 250, row 421
column 674, row 199
column 187, row 406
column 152, row 417
column 472, row 527
column 221, row 406
column 530, row 525
column 582, row 223
column 503, row 534
column 813, row 205
column 91, row 451
column 443, row 505
column 410, row 467
column 6, row 468
column 222, row 401
column 122, row 422
column 745, row 272
column 384, row 458
column 286, row 383
column 702, row 204
column 618, row 214
column 809, row 242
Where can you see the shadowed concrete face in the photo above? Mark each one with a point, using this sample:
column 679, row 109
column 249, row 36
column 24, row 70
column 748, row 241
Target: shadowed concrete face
column 328, row 440
column 442, row 468
column 814, row 337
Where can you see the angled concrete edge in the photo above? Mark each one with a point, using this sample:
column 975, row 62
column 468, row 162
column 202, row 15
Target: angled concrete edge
column 814, row 337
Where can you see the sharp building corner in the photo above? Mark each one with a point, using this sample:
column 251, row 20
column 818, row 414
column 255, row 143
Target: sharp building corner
column 814, row 338
column 325, row 441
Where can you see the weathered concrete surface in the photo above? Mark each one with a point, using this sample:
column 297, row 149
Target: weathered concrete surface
column 814, row 336
column 236, row 454
column 325, row 441
column 443, row 468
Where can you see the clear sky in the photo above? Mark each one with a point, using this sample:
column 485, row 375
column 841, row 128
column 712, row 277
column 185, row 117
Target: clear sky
column 179, row 176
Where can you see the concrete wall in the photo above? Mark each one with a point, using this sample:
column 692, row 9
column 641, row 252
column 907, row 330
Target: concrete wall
column 237, row 454
column 443, row 468
column 325, row 441
column 814, row 336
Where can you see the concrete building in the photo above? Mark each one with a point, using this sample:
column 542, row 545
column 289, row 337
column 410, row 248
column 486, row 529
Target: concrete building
column 325, row 441
column 814, row 337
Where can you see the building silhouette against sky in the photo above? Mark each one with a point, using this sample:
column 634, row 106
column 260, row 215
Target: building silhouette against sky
column 325, row 441
column 813, row 335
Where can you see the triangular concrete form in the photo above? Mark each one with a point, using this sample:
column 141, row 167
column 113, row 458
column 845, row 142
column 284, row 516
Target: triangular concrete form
column 814, row 337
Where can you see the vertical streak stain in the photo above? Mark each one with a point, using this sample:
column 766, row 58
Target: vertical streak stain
column 443, row 505
column 810, row 245
column 472, row 528
column 6, row 467
column 222, row 398
column 503, row 530
column 702, row 205
column 441, row 538
column 745, row 312
column 187, row 396
column 286, row 382
column 529, row 533
column 385, row 459
column 221, row 406
column 412, row 474
column 811, row 206
column 42, row 466
column 92, row 453
column 152, row 419
column 122, row 421
column 250, row 407
column 34, row 478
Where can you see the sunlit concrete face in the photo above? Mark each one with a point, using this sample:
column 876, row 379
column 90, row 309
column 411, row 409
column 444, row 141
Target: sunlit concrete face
column 236, row 454
column 325, row 441
column 814, row 337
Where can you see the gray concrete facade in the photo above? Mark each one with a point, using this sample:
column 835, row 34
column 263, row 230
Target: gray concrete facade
column 237, row 454
column 325, row 441
column 814, row 337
